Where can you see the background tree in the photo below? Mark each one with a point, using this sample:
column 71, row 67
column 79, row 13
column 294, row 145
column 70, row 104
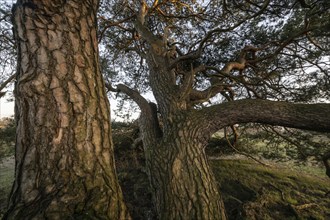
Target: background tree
column 7, row 48
column 64, row 152
column 210, row 65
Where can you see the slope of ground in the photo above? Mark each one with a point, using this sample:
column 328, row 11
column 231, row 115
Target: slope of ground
column 7, row 166
column 253, row 191
column 250, row 191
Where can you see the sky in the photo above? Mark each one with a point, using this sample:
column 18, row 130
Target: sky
column 6, row 108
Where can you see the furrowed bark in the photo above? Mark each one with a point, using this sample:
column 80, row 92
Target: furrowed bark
column 182, row 182
column 64, row 152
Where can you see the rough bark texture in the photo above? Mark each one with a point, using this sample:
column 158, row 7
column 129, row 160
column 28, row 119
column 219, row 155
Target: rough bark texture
column 182, row 182
column 64, row 153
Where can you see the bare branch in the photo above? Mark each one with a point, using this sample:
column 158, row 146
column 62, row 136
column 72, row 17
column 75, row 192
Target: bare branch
column 188, row 81
column 5, row 83
column 148, row 118
column 134, row 95
column 304, row 116
column 238, row 151
column 114, row 24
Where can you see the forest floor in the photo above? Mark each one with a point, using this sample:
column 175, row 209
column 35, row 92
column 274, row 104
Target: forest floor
column 253, row 191
column 250, row 190
column 7, row 166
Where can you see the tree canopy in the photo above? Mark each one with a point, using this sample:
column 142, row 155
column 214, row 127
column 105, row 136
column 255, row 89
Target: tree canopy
column 224, row 50
column 235, row 49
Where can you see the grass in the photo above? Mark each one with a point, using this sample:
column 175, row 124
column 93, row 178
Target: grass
column 252, row 191
column 6, row 180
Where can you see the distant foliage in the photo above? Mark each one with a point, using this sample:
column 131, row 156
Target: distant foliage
column 7, row 137
column 283, row 144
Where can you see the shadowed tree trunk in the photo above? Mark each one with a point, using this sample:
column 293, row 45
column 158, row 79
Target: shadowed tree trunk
column 64, row 152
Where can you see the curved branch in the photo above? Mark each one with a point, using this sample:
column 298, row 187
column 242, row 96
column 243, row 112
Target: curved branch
column 135, row 95
column 203, row 96
column 240, row 64
column 5, row 83
column 217, row 86
column 149, row 123
column 304, row 116
column 188, row 81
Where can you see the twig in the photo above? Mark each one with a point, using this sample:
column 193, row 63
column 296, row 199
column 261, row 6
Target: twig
column 305, row 206
column 242, row 153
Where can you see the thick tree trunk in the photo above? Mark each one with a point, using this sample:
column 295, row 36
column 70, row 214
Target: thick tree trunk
column 182, row 182
column 64, row 153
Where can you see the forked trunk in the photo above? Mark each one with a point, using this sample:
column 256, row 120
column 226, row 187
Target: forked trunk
column 64, row 153
column 182, row 182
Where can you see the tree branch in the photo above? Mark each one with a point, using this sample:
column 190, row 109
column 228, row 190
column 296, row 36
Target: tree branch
column 5, row 83
column 196, row 54
column 135, row 95
column 114, row 23
column 188, row 81
column 238, row 151
column 217, row 86
column 304, row 116
column 149, row 123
